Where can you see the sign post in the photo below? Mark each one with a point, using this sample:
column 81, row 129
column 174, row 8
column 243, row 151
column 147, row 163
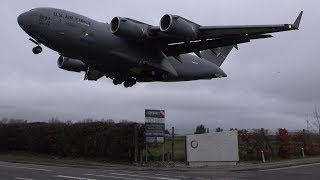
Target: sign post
column 155, row 127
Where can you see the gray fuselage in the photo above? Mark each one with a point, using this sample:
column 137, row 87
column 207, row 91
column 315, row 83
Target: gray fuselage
column 78, row 37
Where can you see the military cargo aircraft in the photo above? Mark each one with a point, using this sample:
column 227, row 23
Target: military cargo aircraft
column 129, row 51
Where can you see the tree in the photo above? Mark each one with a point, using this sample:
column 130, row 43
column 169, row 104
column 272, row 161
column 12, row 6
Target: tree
column 284, row 147
column 167, row 131
column 219, row 129
column 316, row 119
column 201, row 129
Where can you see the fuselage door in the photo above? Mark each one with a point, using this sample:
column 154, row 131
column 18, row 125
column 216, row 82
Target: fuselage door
column 58, row 23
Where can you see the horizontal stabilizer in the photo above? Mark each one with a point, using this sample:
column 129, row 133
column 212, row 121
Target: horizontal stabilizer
column 217, row 55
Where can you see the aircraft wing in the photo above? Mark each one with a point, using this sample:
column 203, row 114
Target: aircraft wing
column 210, row 37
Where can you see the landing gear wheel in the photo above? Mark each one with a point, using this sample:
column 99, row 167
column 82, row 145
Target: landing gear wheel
column 126, row 84
column 117, row 81
column 129, row 83
column 37, row 50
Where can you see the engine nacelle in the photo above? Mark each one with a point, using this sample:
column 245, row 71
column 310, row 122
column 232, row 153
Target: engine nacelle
column 179, row 27
column 129, row 28
column 71, row 64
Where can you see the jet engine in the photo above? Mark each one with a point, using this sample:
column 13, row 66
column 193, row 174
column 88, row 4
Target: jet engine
column 71, row 64
column 179, row 27
column 129, row 28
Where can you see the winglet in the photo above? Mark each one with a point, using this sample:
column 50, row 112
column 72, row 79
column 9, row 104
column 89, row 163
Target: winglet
column 296, row 24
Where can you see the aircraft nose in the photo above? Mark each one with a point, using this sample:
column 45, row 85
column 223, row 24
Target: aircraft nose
column 25, row 21
column 22, row 20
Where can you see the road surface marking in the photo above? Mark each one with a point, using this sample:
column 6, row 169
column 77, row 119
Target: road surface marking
column 143, row 173
column 115, row 177
column 161, row 175
column 17, row 167
column 290, row 167
column 202, row 178
column 129, row 172
column 151, row 177
column 181, row 177
column 108, row 170
column 121, row 171
column 23, row 178
column 71, row 177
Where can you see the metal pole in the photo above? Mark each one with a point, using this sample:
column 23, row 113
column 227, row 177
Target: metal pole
column 163, row 149
column 263, row 159
column 172, row 145
column 135, row 143
column 185, row 148
column 302, row 150
column 146, row 152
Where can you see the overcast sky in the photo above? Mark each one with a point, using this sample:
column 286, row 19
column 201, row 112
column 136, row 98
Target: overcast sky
column 271, row 83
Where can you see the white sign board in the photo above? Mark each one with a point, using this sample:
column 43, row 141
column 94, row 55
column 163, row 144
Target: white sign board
column 219, row 148
column 154, row 126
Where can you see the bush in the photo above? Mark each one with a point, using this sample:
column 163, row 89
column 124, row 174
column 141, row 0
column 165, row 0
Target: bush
column 106, row 140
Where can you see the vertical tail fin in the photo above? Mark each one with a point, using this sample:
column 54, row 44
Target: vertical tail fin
column 217, row 55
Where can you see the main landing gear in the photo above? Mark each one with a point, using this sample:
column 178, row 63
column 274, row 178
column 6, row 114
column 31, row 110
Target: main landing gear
column 127, row 82
column 38, row 48
column 117, row 81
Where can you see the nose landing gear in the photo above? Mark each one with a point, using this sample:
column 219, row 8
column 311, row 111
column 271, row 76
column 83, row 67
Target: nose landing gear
column 38, row 48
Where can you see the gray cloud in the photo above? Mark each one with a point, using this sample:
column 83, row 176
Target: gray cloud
column 271, row 83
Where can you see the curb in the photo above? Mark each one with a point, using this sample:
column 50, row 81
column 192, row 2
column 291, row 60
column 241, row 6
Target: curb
column 276, row 165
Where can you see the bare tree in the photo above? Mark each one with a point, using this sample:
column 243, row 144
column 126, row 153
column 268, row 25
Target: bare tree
column 316, row 119
column 307, row 122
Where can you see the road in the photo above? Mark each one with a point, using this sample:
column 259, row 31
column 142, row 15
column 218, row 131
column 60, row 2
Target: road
column 15, row 171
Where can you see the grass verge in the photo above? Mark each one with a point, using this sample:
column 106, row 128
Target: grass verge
column 18, row 157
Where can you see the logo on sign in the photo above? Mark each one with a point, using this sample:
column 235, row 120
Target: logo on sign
column 155, row 113
column 194, row 144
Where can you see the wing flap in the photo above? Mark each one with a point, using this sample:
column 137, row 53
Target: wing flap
column 189, row 47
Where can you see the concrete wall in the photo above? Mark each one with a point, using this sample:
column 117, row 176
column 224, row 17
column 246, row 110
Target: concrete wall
column 219, row 148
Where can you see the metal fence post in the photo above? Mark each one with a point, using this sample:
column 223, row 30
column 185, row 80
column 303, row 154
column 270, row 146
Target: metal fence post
column 163, row 149
column 135, row 143
column 172, row 145
column 185, row 149
column 146, row 152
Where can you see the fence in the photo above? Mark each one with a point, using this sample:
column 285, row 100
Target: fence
column 282, row 144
